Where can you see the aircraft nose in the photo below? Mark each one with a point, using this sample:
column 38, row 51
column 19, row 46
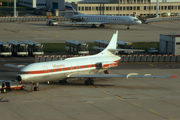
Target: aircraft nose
column 140, row 22
column 19, row 78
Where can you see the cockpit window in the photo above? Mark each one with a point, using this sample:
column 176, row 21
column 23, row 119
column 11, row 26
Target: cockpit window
column 136, row 20
column 24, row 72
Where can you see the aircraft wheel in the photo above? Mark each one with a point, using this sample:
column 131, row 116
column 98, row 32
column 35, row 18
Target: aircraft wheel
column 128, row 28
column 92, row 82
column 86, row 82
column 102, row 25
column 65, row 81
column 36, row 89
column 51, row 23
column 3, row 90
column 93, row 26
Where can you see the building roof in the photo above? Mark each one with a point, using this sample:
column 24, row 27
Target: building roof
column 171, row 35
column 174, row 35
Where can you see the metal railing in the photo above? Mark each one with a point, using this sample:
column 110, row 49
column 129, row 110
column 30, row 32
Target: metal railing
column 162, row 19
column 31, row 18
column 124, row 58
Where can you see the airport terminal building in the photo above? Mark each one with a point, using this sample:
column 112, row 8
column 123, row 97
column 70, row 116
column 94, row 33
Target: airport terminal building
column 109, row 7
column 128, row 7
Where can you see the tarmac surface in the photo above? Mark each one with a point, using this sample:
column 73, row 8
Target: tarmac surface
column 107, row 99
column 39, row 32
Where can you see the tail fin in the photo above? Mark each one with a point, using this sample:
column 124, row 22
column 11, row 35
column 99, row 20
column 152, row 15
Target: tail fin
column 69, row 8
column 70, row 11
column 112, row 45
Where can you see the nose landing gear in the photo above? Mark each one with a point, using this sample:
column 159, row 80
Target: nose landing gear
column 36, row 88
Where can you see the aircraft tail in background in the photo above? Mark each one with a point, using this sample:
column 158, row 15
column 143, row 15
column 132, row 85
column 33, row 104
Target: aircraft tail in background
column 70, row 11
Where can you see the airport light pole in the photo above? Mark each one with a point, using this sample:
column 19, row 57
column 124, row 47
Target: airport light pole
column 118, row 7
column 157, row 8
column 15, row 8
column 7, row 3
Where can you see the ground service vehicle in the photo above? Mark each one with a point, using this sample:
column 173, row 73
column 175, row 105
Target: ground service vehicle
column 19, row 48
column 5, row 49
column 9, row 85
column 125, row 45
column 51, row 22
column 152, row 51
column 76, row 47
column 99, row 45
column 34, row 48
column 2, row 86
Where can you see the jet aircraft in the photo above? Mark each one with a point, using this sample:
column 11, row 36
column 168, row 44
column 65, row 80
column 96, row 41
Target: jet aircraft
column 88, row 67
column 93, row 20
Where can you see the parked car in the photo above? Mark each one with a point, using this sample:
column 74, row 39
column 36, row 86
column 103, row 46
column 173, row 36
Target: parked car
column 152, row 51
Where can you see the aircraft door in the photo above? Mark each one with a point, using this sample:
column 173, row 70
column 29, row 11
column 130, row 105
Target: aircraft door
column 45, row 70
column 47, row 73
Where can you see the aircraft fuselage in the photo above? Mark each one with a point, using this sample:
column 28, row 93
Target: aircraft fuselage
column 59, row 70
column 121, row 20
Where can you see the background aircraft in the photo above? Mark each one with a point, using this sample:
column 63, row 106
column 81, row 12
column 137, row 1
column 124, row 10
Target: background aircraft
column 93, row 20
column 88, row 67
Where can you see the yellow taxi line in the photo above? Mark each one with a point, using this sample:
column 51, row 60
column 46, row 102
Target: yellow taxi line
column 119, row 97
column 136, row 104
column 154, row 112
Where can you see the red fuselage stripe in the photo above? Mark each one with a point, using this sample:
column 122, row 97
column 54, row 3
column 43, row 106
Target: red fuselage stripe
column 68, row 68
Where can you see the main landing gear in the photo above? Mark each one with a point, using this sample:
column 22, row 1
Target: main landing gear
column 63, row 81
column 89, row 82
column 101, row 25
column 93, row 26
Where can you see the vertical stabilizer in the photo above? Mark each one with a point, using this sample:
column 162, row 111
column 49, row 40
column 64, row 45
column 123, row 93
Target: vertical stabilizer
column 70, row 11
column 68, row 7
column 112, row 45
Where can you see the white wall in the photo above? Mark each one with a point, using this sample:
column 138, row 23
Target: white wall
column 94, row 1
column 109, row 0
column 166, row 0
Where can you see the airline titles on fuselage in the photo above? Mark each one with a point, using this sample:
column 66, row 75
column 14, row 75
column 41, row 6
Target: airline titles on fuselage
column 56, row 66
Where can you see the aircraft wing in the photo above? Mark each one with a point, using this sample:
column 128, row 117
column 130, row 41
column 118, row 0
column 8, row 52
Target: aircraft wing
column 113, row 50
column 130, row 75
column 85, row 23
column 15, row 66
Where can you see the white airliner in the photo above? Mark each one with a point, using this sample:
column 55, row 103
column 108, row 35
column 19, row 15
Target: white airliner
column 88, row 67
column 93, row 20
